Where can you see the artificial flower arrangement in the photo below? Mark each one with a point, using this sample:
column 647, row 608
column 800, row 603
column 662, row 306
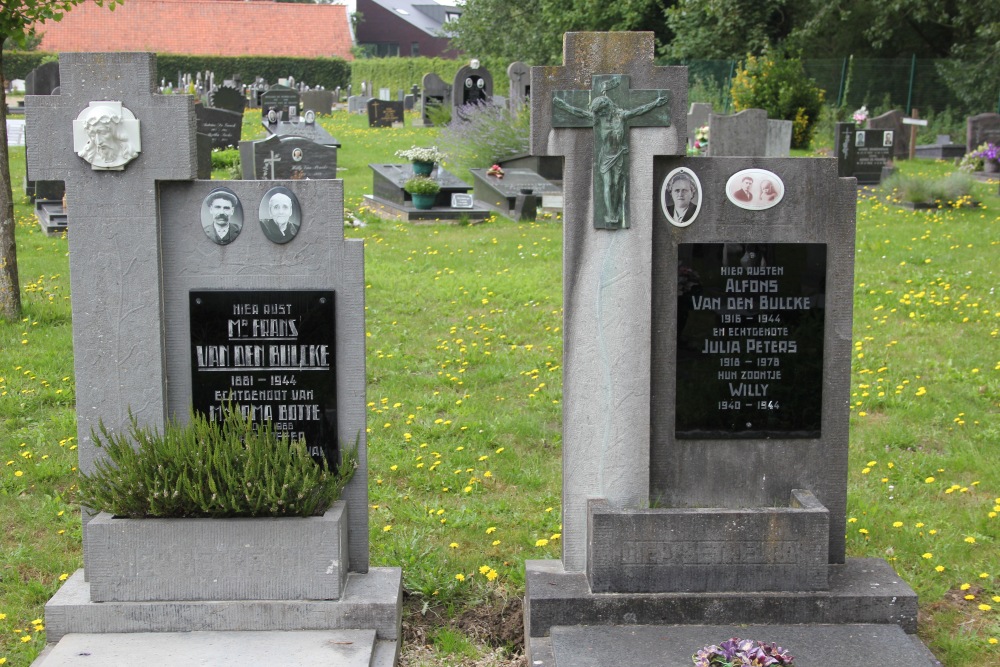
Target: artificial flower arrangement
column 738, row 652
column 700, row 144
column 861, row 115
column 495, row 170
column 422, row 154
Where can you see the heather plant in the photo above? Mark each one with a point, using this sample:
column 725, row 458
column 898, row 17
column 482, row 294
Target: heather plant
column 481, row 135
column 233, row 468
column 954, row 189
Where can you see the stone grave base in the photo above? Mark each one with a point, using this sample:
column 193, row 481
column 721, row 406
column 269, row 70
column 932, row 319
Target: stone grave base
column 855, row 645
column 344, row 648
column 396, row 211
column 52, row 217
column 370, row 601
column 863, row 590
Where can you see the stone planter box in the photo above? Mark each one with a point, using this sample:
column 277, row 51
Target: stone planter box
column 695, row 550
column 288, row 558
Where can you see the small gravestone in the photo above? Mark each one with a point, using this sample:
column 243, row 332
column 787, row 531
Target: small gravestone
column 779, row 138
column 742, row 134
column 697, row 117
column 229, row 98
column 357, row 103
column 319, row 102
column 710, row 333
column 221, row 125
column 187, row 293
column 473, row 84
column 519, row 76
column 893, row 122
column 502, row 193
column 980, row 129
column 433, row 92
column 304, row 126
column 942, row 149
column 863, row 153
column 295, row 158
column 42, row 80
column 390, row 200
column 385, row 114
column 283, row 100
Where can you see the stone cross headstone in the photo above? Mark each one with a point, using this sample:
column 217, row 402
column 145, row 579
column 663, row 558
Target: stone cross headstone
column 611, row 108
column 980, row 129
column 707, row 360
column 519, row 76
column 742, row 134
column 167, row 292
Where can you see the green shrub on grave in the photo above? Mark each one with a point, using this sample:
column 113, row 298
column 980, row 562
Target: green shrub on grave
column 233, row 468
column 779, row 85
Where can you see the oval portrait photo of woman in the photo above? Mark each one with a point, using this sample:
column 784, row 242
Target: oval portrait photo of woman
column 680, row 197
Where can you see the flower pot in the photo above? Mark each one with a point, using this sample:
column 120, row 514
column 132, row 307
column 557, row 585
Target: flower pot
column 286, row 558
column 421, row 168
column 423, row 202
column 991, row 166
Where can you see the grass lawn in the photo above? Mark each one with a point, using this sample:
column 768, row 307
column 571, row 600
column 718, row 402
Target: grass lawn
column 464, row 386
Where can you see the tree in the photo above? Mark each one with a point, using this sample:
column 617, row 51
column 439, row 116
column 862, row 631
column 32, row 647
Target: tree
column 532, row 30
column 18, row 21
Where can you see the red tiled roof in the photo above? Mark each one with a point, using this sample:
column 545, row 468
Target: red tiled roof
column 203, row 27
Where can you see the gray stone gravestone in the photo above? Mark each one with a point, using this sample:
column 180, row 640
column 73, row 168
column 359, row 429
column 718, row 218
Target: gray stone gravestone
column 433, row 91
column 229, row 98
column 383, row 113
column 283, row 99
column 863, row 153
column 741, row 134
column 893, row 121
column 779, row 138
column 980, row 129
column 155, row 295
column 318, row 101
column 519, row 76
column 713, row 339
column 42, row 80
column 221, row 125
column 473, row 84
column 697, row 117
column 306, row 127
column 502, row 193
column 358, row 103
column 279, row 158
column 390, row 200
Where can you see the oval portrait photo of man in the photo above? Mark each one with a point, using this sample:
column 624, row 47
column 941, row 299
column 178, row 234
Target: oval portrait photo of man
column 280, row 215
column 680, row 197
column 222, row 216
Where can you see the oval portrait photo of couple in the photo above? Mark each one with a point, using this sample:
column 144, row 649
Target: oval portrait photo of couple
column 755, row 189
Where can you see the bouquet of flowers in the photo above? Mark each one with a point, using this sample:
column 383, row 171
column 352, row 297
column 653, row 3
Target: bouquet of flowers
column 738, row 652
column 420, row 154
column 861, row 115
column 987, row 151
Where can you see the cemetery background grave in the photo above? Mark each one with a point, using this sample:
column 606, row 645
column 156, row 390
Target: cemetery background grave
column 914, row 425
column 146, row 260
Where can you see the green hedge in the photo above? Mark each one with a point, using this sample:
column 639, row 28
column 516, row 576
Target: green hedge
column 326, row 72
column 401, row 73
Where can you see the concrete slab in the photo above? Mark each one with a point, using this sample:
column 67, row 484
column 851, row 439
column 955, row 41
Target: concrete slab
column 370, row 601
column 345, row 648
column 672, row 646
column 863, row 590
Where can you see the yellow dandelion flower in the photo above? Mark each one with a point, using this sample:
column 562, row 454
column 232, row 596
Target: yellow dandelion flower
column 386, row 528
column 939, row 568
column 965, row 587
column 496, row 543
column 491, row 530
column 984, row 607
column 541, row 543
column 897, row 524
column 460, row 576
column 970, row 596
column 927, row 555
column 970, row 539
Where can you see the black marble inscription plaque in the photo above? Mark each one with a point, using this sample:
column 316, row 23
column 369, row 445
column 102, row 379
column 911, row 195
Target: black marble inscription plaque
column 272, row 354
column 750, row 340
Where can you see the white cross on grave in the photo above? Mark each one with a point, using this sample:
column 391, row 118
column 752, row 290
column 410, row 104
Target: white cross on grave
column 607, row 271
column 115, row 233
